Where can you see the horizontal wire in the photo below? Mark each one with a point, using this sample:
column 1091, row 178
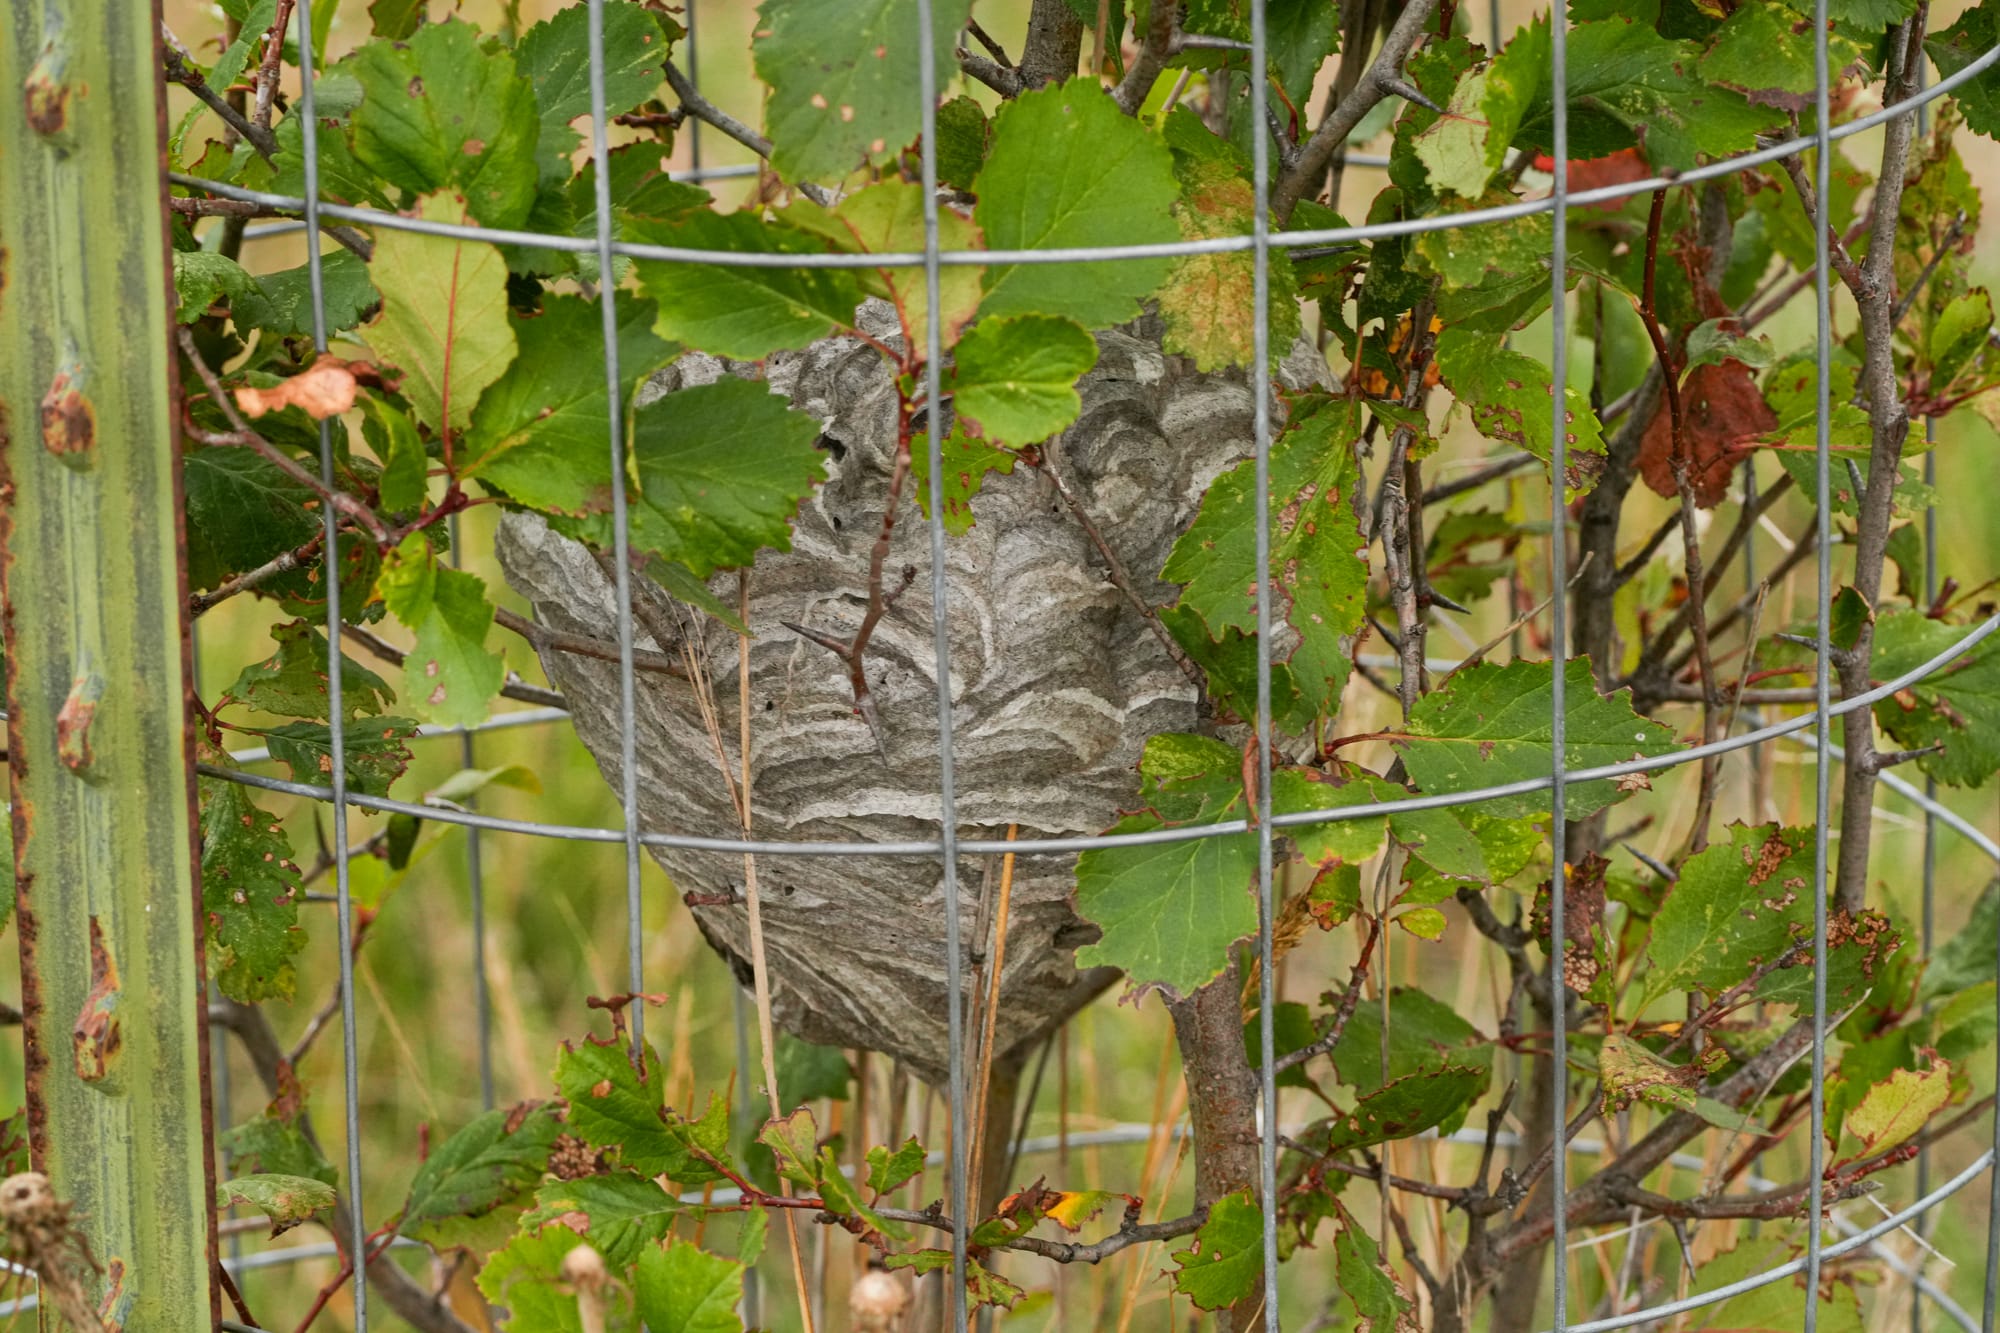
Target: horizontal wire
column 1075, row 254
column 1082, row 843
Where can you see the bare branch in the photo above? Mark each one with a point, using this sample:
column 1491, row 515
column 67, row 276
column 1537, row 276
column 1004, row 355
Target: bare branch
column 1154, row 48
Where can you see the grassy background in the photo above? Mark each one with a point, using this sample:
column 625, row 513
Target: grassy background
column 556, row 931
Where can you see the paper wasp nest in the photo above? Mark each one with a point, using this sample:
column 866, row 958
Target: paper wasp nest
column 1056, row 684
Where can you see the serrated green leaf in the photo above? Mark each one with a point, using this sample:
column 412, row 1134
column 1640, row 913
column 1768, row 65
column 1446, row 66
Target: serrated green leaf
column 888, row 218
column 1771, row 1306
column 292, row 682
column 891, row 1170
column 794, row 1141
column 281, row 302
column 1319, row 574
column 1425, row 1035
column 1736, row 906
column 1975, row 33
column 444, row 315
column 739, row 312
column 539, row 432
column 966, row 463
column 620, row 1213
column 1765, row 50
column 982, row 1286
column 439, row 112
column 841, row 1197
column 1966, row 956
column 241, row 512
column 613, row 1105
column 490, row 1163
column 1406, row 1106
column 1209, row 300
column 808, row 1073
column 962, row 138
column 840, row 78
column 1489, row 725
column 1633, row 86
column 405, row 480
column 201, row 279
column 1713, row 341
column 287, row 1200
column 374, row 748
column 448, row 674
column 1957, row 706
column 554, row 56
column 1379, row 1301
column 1509, row 397
column 1014, row 380
column 1959, row 335
column 525, row 1279
column 249, row 892
column 642, row 189
column 1847, row 619
column 272, row 1143
column 683, row 1289
column 1227, row 1258
column 1067, row 168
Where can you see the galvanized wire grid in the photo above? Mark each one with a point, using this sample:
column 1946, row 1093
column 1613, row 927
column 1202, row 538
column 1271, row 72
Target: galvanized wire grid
column 947, row 846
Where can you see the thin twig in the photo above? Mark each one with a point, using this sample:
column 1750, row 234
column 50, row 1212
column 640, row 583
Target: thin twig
column 179, row 71
column 1155, row 48
column 555, row 640
column 1357, row 977
column 283, row 563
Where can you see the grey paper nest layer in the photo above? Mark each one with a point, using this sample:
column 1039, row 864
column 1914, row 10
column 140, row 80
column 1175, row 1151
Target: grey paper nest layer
column 1056, row 683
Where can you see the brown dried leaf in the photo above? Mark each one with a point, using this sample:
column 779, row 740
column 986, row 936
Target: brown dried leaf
column 325, row 389
column 1725, row 415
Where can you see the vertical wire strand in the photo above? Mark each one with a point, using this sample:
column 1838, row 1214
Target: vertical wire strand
column 1822, row 690
column 336, row 710
column 1558, row 675
column 691, row 54
column 927, row 86
column 1927, row 1225
column 628, row 744
column 1260, row 388
column 475, row 875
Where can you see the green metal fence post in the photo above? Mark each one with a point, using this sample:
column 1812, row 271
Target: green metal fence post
column 97, row 654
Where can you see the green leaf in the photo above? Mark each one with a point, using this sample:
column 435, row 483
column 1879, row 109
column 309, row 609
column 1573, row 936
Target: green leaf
column 395, row 19
column 1508, row 395
column 1292, row 1029
column 641, row 190
column 888, row 218
column 201, row 279
column 1632, row 86
column 286, row 1200
column 525, row 1279
column 1714, row 341
column 491, row 1163
column 249, row 895
column 1425, row 1035
column 444, row 315
column 1169, row 911
column 1736, row 906
column 1014, row 381
column 540, row 432
column 1958, row 705
column 1966, row 957
column 620, row 1213
column 1765, row 51
column 1209, row 300
column 1772, row 1306
column 982, row 1287
column 807, row 1073
column 1975, row 33
column 555, row 57
column 448, row 675
column 1407, row 1106
column 273, row 1143
column 1365, row 1281
column 1896, row 1108
column 721, row 469
column 376, row 754
column 1067, row 168
column 841, row 1197
column 1959, row 335
column 281, row 303
column 438, row 112
column 1489, row 725
column 293, row 681
column 241, row 512
column 405, row 480
column 794, row 1142
column 966, row 463
column 742, row 313
column 1319, row 575
column 888, row 1171
column 1631, row 1072
column 962, row 138
column 1847, row 619
column 1226, row 1260
column 840, row 79
column 683, row 1289
column 613, row 1105
column 469, row 782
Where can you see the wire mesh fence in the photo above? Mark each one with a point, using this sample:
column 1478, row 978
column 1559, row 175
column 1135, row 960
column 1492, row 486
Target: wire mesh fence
column 949, row 848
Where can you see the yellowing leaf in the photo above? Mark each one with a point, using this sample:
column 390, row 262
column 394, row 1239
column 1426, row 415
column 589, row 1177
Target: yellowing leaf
column 1899, row 1106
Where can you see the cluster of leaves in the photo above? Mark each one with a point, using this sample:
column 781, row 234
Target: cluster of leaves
column 474, row 374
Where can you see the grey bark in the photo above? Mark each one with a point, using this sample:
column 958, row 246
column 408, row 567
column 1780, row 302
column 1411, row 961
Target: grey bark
column 1056, row 683
column 1055, row 41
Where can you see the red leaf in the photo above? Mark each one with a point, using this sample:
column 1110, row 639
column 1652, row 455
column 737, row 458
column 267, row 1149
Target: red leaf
column 1619, row 168
column 1725, row 415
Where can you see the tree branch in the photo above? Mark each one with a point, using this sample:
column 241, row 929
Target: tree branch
column 1154, row 49
column 187, row 76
